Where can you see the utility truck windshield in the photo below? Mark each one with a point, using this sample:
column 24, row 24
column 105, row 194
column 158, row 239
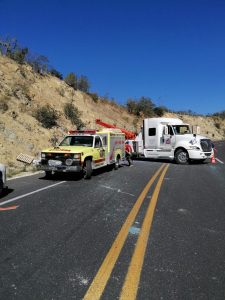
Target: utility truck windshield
column 86, row 141
column 181, row 129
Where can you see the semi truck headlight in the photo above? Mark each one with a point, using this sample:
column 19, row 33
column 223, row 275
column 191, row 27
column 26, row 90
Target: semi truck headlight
column 194, row 148
column 68, row 162
column 193, row 141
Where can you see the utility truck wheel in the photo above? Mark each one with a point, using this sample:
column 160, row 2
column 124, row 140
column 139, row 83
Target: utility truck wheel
column 87, row 169
column 117, row 163
column 181, row 157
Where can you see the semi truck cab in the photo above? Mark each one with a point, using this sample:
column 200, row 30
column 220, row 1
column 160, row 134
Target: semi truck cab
column 170, row 138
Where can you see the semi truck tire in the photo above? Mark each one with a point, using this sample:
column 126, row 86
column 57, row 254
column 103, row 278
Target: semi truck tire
column 181, row 157
column 87, row 169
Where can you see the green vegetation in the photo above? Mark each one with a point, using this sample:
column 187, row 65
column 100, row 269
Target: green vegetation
column 73, row 114
column 71, row 80
column 220, row 114
column 83, row 84
column 78, row 83
column 94, row 97
column 56, row 73
column 47, row 116
column 144, row 107
column 3, row 104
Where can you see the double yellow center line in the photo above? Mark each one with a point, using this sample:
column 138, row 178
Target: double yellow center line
column 130, row 286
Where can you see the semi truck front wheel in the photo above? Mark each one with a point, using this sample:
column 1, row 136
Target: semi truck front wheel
column 181, row 157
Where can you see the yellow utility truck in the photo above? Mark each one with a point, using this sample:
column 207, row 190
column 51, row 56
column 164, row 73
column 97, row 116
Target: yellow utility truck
column 84, row 151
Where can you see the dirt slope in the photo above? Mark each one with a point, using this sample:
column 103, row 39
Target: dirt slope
column 22, row 91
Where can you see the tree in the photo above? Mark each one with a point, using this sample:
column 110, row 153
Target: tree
column 56, row 73
column 145, row 106
column 71, row 80
column 160, row 110
column 131, row 106
column 39, row 63
column 19, row 55
column 83, row 84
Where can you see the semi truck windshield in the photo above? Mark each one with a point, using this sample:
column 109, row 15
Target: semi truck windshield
column 181, row 129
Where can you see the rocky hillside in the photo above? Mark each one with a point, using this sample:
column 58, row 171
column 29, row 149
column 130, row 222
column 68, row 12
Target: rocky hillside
column 23, row 91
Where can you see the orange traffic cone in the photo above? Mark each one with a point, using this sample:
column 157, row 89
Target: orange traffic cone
column 213, row 161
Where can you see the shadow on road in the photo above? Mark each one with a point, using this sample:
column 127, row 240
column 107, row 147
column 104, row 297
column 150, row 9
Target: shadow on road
column 6, row 192
column 192, row 162
column 73, row 176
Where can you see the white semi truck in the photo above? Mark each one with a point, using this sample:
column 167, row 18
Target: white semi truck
column 170, row 138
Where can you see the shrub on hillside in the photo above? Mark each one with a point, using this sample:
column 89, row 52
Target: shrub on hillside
column 220, row 114
column 160, row 110
column 73, row 114
column 71, row 80
column 217, row 125
column 47, row 116
column 83, row 84
column 94, row 96
column 3, row 105
column 56, row 73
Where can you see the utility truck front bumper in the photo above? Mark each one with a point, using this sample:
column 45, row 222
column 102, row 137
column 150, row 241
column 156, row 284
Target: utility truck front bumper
column 59, row 166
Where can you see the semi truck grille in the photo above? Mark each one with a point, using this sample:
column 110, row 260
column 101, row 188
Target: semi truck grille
column 206, row 145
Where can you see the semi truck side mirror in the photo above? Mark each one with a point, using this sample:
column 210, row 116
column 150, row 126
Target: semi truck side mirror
column 196, row 129
column 166, row 130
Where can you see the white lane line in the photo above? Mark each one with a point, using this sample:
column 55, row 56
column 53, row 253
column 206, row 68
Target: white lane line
column 25, row 175
column 219, row 160
column 31, row 193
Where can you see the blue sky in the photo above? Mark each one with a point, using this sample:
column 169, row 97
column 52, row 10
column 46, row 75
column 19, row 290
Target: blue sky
column 171, row 51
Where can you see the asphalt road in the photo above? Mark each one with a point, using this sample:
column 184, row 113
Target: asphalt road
column 120, row 235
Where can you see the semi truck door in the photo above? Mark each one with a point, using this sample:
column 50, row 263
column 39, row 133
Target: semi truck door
column 167, row 141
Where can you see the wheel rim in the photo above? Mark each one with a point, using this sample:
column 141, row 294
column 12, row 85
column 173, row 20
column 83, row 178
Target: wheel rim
column 183, row 157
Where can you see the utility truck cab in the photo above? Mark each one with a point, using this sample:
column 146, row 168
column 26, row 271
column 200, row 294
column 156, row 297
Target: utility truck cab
column 170, row 138
column 84, row 151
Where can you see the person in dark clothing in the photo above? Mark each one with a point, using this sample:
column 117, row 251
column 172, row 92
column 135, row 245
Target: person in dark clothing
column 128, row 152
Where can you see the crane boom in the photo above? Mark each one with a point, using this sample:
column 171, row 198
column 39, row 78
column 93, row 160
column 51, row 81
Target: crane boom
column 129, row 135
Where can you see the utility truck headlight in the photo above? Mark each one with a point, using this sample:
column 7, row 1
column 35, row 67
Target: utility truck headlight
column 43, row 155
column 69, row 162
column 77, row 156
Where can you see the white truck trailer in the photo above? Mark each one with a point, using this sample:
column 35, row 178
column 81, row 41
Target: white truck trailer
column 170, row 138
